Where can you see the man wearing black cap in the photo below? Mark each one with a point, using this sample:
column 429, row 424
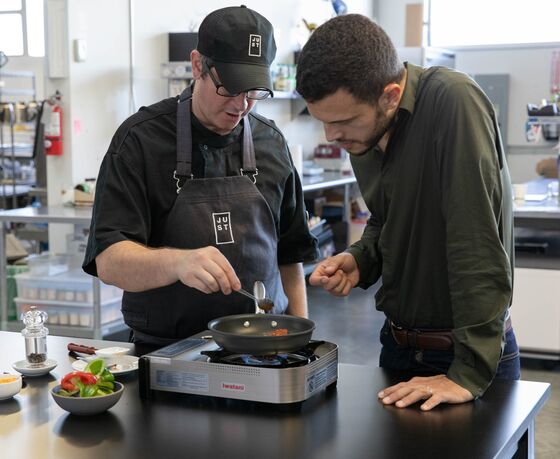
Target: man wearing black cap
column 197, row 195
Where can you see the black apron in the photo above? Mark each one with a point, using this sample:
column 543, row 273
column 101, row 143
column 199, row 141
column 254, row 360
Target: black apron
column 228, row 213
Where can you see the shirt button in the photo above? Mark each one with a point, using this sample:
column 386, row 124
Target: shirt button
column 205, row 147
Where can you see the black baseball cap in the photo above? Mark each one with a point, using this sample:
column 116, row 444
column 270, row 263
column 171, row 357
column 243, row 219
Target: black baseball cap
column 240, row 43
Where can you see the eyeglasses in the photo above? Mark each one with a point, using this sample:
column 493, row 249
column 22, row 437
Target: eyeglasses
column 253, row 94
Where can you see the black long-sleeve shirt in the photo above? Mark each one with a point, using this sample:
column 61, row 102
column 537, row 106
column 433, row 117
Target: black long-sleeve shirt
column 136, row 189
column 441, row 230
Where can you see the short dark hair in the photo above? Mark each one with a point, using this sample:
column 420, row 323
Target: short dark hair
column 350, row 52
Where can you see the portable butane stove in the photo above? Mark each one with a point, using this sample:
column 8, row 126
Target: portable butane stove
column 197, row 365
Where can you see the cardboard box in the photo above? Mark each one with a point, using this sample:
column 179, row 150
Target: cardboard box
column 414, row 24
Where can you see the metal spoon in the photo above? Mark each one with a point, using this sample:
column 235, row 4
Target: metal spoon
column 262, row 303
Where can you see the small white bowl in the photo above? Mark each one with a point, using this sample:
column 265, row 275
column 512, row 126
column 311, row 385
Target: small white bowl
column 110, row 351
column 10, row 385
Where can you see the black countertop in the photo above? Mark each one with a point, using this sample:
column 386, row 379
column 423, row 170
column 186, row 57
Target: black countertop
column 347, row 422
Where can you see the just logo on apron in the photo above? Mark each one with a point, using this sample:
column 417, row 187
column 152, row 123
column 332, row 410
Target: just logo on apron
column 228, row 213
column 222, row 228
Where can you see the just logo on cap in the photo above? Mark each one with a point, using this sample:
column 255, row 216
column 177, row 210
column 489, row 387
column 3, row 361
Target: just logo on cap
column 240, row 43
column 255, row 45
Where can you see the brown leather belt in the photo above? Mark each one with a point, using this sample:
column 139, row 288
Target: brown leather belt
column 436, row 340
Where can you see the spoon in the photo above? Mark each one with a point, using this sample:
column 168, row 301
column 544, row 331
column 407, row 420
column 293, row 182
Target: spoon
column 263, row 303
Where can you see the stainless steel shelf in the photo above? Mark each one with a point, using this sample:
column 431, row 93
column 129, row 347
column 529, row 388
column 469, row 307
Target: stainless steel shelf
column 52, row 214
column 543, row 120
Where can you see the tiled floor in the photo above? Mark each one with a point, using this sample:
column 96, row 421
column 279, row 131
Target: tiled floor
column 353, row 324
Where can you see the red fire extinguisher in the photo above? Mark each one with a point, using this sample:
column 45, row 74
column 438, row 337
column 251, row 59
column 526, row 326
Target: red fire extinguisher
column 53, row 125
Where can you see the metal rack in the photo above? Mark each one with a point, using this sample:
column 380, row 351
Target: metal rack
column 178, row 75
column 50, row 215
column 9, row 147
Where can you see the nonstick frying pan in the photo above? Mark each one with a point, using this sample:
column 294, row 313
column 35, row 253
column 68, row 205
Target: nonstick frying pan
column 248, row 333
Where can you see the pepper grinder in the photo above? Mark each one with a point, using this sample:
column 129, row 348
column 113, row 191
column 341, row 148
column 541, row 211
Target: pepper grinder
column 35, row 334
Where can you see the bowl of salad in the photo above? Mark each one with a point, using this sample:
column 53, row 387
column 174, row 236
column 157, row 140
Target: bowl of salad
column 91, row 391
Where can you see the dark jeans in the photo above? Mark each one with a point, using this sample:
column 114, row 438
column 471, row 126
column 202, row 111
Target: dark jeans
column 424, row 362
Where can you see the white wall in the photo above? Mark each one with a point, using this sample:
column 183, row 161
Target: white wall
column 180, row 16
column 529, row 70
column 96, row 92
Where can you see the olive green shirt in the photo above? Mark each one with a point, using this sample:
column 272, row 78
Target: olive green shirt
column 441, row 230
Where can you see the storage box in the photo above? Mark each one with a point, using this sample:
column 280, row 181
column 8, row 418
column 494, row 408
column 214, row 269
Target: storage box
column 11, row 286
column 73, row 286
column 48, row 264
column 72, row 314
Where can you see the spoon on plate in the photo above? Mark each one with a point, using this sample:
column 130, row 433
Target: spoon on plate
column 259, row 297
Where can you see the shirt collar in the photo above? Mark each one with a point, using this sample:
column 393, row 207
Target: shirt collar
column 408, row 98
column 204, row 135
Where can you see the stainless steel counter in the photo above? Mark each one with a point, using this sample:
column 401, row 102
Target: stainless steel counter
column 539, row 214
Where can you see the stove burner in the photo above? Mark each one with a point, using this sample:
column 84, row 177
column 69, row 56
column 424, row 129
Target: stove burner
column 297, row 358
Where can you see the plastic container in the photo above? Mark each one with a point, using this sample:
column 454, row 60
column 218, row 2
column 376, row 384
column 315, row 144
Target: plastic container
column 49, row 264
column 73, row 286
column 72, row 314
column 11, row 286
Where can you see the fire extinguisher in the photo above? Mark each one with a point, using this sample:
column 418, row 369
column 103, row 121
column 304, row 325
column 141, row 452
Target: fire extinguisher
column 53, row 125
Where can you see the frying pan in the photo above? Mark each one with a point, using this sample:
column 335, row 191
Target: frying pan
column 246, row 333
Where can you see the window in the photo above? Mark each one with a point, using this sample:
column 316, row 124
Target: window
column 22, row 30
column 492, row 22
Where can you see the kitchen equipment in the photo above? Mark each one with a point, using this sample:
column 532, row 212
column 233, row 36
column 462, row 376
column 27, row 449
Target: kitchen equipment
column 256, row 333
column 329, row 156
column 197, row 365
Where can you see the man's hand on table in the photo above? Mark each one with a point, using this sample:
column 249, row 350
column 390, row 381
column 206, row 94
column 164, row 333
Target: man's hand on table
column 434, row 389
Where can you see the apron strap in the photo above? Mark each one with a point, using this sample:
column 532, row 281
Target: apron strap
column 184, row 136
column 249, row 161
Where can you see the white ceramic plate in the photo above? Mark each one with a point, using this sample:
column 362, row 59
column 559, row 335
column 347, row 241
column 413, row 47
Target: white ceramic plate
column 26, row 369
column 117, row 364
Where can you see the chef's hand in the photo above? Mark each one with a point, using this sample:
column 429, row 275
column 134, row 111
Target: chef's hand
column 207, row 270
column 434, row 389
column 336, row 274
